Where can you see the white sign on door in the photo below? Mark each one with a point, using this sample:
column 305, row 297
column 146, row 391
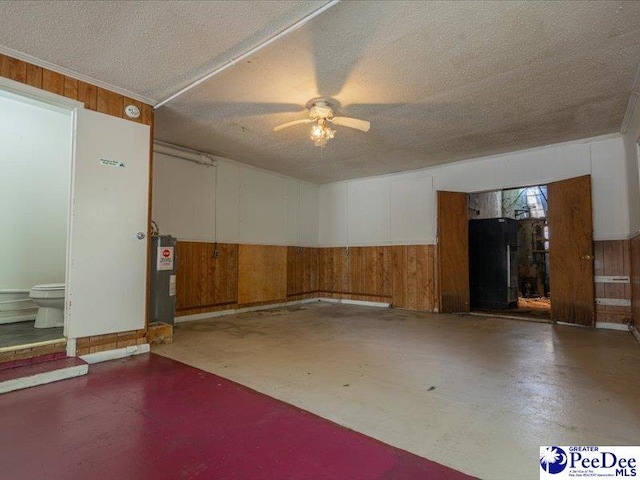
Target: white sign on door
column 165, row 258
column 111, row 163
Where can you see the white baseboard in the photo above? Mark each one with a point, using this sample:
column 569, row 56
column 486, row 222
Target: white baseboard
column 613, row 326
column 43, row 378
column 222, row 313
column 636, row 333
column 508, row 317
column 363, row 303
column 98, row 357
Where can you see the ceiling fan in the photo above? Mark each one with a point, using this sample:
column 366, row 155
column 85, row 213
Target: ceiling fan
column 321, row 114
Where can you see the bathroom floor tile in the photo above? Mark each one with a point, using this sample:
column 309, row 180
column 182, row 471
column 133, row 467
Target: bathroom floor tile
column 23, row 333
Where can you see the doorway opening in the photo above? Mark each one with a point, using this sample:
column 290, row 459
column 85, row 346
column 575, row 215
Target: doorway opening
column 35, row 185
column 509, row 252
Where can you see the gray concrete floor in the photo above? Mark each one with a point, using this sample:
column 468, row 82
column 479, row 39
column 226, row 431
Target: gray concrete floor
column 477, row 394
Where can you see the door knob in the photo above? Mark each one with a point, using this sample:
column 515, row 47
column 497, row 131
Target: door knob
column 141, row 235
column 587, row 257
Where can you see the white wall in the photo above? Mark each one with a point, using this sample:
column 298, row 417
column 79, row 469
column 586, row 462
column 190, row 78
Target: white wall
column 609, row 190
column 386, row 210
column 400, row 208
column 35, row 172
column 253, row 206
column 183, row 198
column 631, row 138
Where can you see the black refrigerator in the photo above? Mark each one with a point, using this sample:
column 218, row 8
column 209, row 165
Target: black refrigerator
column 493, row 269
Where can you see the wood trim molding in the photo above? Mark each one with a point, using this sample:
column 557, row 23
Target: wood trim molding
column 92, row 96
column 36, row 63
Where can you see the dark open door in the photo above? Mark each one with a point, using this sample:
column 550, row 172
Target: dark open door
column 571, row 251
column 453, row 252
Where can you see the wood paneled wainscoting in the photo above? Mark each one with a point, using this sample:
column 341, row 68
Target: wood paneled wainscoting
column 302, row 272
column 402, row 275
column 111, row 341
column 612, row 270
column 356, row 273
column 250, row 275
column 414, row 277
column 634, row 257
column 206, row 283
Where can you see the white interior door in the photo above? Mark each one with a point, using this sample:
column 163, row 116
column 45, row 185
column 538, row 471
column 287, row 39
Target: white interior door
column 106, row 278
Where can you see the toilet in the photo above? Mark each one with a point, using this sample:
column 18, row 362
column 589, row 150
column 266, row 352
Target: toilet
column 49, row 298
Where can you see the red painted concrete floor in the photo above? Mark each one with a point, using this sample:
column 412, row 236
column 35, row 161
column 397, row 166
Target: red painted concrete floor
column 150, row 417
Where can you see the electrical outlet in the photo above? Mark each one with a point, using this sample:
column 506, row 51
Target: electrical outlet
column 216, row 254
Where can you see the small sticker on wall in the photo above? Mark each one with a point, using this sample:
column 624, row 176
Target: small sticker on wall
column 172, row 286
column 165, row 258
column 111, row 163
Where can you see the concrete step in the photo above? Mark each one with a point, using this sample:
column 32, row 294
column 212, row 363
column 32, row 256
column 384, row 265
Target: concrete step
column 34, row 374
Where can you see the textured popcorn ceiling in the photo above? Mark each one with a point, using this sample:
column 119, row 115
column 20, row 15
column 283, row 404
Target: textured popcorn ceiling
column 439, row 81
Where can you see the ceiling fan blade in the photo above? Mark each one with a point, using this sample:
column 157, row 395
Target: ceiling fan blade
column 291, row 124
column 351, row 123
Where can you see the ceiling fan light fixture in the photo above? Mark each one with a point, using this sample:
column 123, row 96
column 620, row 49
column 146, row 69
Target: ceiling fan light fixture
column 321, row 133
column 320, row 116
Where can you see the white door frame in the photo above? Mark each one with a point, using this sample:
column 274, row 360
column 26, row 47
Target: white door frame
column 42, row 96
